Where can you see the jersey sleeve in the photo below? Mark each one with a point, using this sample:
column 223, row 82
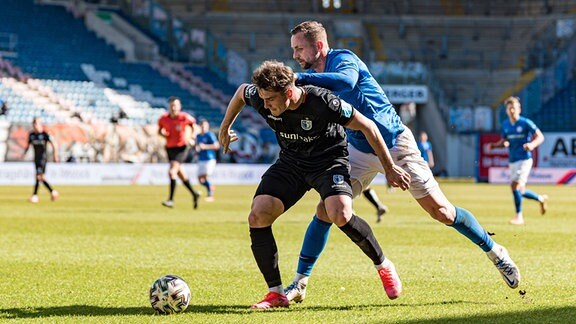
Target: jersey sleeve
column 339, row 110
column 532, row 128
column 344, row 76
column 251, row 96
column 190, row 120
column 211, row 138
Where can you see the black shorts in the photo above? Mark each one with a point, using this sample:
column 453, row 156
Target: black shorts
column 289, row 184
column 177, row 153
column 40, row 166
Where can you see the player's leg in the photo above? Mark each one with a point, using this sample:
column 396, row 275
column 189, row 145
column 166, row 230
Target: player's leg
column 205, row 170
column 372, row 197
column 34, row 198
column 525, row 168
column 364, row 167
column 427, row 192
column 518, row 172
column 339, row 208
column 338, row 205
column 186, row 181
column 277, row 192
column 172, row 175
column 315, row 240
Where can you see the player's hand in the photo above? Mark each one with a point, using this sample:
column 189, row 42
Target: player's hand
column 398, row 178
column 528, row 147
column 225, row 138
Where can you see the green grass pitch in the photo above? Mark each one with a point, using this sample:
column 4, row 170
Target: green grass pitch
column 91, row 257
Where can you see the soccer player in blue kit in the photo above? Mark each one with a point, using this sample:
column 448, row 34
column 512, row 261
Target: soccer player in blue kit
column 206, row 146
column 521, row 136
column 309, row 124
column 341, row 71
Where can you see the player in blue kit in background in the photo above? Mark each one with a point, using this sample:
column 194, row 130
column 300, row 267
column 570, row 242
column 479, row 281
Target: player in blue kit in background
column 341, row 71
column 206, row 146
column 521, row 136
column 425, row 148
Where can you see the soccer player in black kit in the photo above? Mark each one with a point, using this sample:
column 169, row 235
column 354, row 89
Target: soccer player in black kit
column 309, row 124
column 39, row 139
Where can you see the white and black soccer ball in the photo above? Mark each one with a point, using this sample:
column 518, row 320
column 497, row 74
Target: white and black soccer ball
column 169, row 294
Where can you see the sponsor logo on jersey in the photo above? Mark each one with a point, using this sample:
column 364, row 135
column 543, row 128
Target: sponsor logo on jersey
column 297, row 137
column 274, row 118
column 306, row 124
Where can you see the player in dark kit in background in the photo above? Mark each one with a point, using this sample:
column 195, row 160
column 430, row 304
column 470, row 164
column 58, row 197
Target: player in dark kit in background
column 172, row 126
column 308, row 122
column 40, row 140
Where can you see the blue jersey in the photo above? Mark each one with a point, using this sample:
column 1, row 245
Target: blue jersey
column 424, row 148
column 208, row 138
column 348, row 77
column 517, row 135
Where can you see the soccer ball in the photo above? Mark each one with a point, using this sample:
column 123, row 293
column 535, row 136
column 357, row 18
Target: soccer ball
column 169, row 294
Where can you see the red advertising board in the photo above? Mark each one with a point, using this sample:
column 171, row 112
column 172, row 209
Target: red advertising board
column 497, row 157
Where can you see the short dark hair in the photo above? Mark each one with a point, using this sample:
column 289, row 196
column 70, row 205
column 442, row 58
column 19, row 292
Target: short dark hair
column 312, row 30
column 512, row 100
column 273, row 76
column 172, row 99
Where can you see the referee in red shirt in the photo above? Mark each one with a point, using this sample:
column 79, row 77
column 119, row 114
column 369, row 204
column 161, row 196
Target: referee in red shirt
column 172, row 126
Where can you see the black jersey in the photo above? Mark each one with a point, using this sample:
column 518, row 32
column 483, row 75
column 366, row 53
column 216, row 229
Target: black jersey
column 312, row 135
column 39, row 141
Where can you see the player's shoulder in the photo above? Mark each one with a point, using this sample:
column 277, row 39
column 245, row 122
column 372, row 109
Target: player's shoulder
column 164, row 116
column 250, row 91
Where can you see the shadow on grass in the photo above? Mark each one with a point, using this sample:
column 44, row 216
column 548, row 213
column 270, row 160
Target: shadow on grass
column 560, row 314
column 89, row 310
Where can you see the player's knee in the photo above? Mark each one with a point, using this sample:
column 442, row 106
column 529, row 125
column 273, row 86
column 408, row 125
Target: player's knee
column 443, row 215
column 259, row 218
column 339, row 214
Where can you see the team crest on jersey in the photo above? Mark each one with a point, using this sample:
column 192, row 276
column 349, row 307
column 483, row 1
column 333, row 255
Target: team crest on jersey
column 306, row 124
column 519, row 129
column 335, row 102
column 338, row 179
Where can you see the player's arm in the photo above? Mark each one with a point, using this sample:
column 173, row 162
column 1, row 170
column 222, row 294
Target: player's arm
column 430, row 158
column 395, row 175
column 501, row 143
column 161, row 130
column 26, row 148
column 537, row 139
column 235, row 106
column 54, row 150
column 344, row 79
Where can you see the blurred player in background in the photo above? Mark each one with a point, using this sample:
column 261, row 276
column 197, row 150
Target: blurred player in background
column 308, row 122
column 372, row 197
column 173, row 127
column 521, row 136
column 425, row 148
column 206, row 146
column 341, row 71
column 40, row 140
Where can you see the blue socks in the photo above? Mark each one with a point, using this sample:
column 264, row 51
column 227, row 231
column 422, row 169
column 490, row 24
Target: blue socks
column 208, row 186
column 314, row 242
column 467, row 225
column 517, row 200
column 530, row 195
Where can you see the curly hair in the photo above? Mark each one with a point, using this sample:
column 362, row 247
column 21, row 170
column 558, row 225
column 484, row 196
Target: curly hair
column 273, row 76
